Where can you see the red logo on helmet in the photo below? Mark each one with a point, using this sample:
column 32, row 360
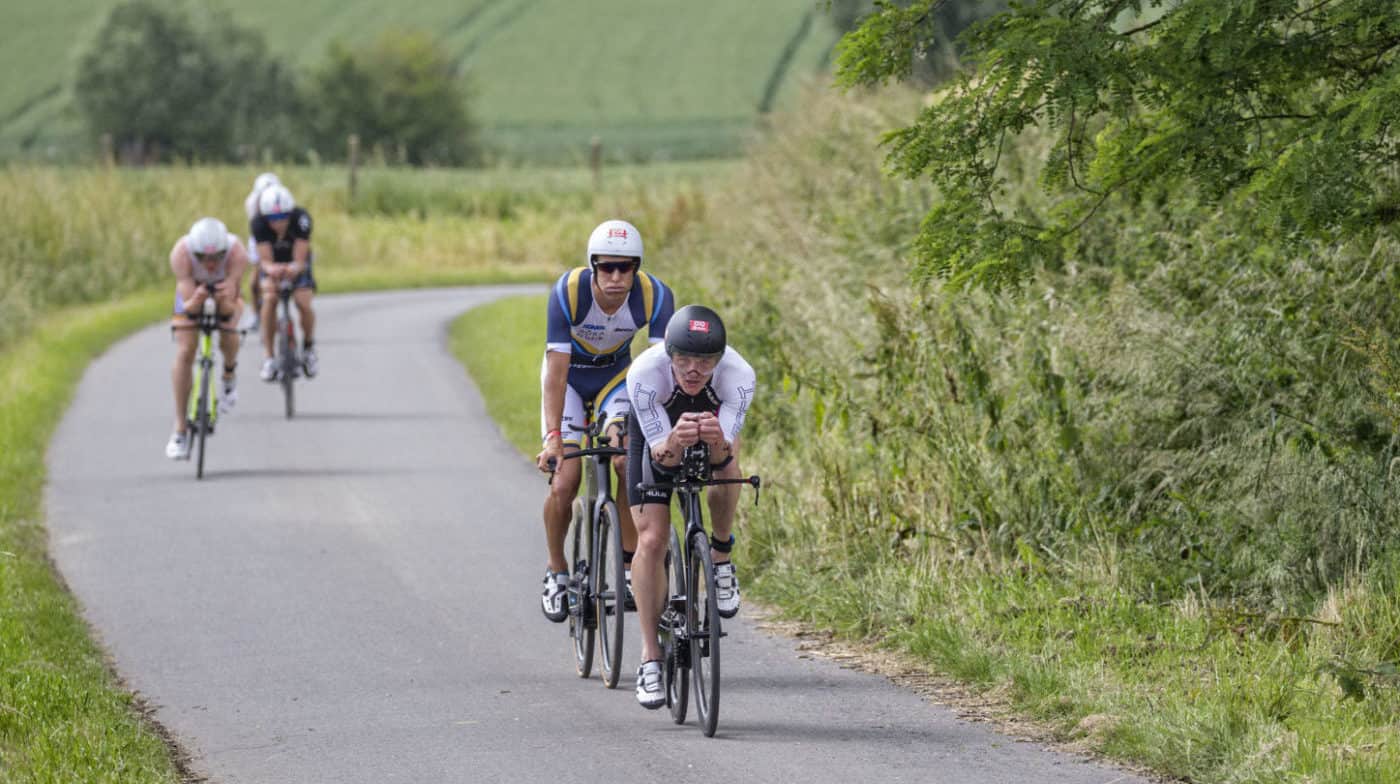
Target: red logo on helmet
column 699, row 326
column 617, row 233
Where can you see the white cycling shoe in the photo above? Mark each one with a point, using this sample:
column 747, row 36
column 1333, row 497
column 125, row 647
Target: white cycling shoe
column 178, row 447
column 269, row 370
column 651, row 694
column 726, row 590
column 309, row 363
column 229, row 397
column 556, row 586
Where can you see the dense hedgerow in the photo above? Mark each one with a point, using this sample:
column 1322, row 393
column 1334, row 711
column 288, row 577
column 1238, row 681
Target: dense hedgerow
column 1177, row 411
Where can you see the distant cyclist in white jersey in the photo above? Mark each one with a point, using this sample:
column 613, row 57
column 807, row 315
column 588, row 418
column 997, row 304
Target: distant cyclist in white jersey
column 593, row 313
column 250, row 208
column 693, row 388
column 207, row 255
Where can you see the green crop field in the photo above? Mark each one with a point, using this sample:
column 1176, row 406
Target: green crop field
column 650, row 80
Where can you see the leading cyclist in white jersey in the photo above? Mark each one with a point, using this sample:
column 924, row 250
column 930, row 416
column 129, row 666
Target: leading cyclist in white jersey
column 692, row 388
column 207, row 256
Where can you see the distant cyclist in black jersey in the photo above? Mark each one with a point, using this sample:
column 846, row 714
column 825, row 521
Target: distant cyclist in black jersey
column 283, row 234
column 693, row 388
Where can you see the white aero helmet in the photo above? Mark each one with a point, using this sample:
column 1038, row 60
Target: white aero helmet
column 615, row 238
column 275, row 200
column 207, row 237
column 265, row 179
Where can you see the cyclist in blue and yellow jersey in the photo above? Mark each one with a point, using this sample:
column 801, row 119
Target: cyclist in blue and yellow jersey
column 207, row 256
column 594, row 312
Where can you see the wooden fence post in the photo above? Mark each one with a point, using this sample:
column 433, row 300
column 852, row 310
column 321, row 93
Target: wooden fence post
column 354, row 152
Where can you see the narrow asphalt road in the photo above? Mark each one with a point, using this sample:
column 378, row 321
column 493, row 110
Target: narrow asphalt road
column 351, row 596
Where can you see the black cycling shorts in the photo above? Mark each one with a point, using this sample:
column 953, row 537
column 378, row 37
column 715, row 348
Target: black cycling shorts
column 641, row 471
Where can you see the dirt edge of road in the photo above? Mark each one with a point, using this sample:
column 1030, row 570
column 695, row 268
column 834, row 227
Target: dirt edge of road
column 984, row 707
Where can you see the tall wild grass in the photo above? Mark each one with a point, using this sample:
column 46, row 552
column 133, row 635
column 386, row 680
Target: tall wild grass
column 81, row 235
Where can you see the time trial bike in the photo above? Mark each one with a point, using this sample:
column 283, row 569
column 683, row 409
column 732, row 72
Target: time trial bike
column 597, row 591
column 689, row 627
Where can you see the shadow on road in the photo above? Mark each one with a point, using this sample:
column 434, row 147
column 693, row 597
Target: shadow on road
column 302, row 473
column 355, row 416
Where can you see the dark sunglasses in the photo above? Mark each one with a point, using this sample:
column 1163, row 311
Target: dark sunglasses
column 216, row 256
column 608, row 267
column 277, row 216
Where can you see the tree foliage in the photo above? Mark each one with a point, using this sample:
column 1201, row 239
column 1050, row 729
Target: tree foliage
column 164, row 81
column 936, row 57
column 147, row 79
column 400, row 93
column 1285, row 111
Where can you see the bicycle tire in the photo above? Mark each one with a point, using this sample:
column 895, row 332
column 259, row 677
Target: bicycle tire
column 674, row 672
column 286, row 364
column 612, row 594
column 576, row 553
column 201, row 422
column 703, row 623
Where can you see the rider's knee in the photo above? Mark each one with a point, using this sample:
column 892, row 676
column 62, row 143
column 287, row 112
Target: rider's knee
column 562, row 491
column 651, row 534
column 184, row 353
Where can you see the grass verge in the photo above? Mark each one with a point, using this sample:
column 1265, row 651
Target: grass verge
column 508, row 375
column 63, row 717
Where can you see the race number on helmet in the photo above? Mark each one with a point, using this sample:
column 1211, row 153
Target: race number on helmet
column 207, row 237
column 615, row 238
column 695, row 329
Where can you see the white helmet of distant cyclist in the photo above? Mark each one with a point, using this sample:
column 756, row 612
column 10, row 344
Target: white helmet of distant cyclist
column 615, row 238
column 265, row 179
column 275, row 200
column 208, row 237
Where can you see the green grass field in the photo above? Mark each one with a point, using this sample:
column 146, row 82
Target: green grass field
column 660, row 80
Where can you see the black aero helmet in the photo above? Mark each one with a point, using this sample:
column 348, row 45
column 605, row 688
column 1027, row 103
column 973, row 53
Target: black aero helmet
column 696, row 330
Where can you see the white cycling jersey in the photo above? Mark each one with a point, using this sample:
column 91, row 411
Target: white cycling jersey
column 658, row 401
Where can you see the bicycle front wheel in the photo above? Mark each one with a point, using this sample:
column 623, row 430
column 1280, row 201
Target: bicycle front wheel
column 612, row 593
column 582, row 625
column 702, row 620
column 201, row 420
column 675, row 668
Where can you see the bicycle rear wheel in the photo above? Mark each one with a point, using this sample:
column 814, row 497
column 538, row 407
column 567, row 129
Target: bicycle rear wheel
column 676, row 652
column 286, row 362
column 612, row 594
column 702, row 620
column 582, row 626
column 201, row 420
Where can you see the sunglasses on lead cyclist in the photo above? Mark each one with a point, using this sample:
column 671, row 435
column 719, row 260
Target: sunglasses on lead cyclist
column 613, row 267
column 277, row 216
column 205, row 258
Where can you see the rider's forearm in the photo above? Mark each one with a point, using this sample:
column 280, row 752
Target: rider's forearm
column 555, row 379
column 669, row 454
column 721, row 451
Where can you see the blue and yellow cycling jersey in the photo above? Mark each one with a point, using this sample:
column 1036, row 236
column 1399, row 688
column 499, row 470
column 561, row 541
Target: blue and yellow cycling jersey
column 579, row 327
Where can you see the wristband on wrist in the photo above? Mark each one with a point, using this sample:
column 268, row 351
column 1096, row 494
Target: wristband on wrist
column 555, row 432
